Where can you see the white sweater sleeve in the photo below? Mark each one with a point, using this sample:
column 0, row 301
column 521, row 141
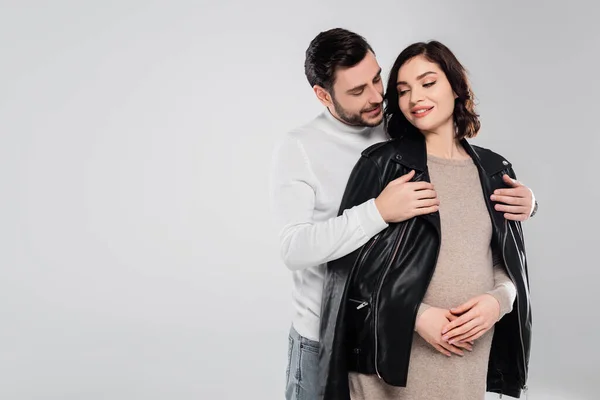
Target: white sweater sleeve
column 304, row 242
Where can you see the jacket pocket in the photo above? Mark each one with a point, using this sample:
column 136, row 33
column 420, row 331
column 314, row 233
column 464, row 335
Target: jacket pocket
column 359, row 314
column 361, row 258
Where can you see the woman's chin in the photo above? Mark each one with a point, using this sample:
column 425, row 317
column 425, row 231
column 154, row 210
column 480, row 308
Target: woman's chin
column 423, row 126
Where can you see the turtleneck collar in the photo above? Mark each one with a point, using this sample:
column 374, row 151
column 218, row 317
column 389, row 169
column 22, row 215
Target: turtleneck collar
column 358, row 132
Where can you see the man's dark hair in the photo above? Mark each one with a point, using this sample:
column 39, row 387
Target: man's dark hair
column 331, row 50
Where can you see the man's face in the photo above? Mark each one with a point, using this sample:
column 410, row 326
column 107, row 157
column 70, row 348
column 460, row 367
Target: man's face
column 357, row 95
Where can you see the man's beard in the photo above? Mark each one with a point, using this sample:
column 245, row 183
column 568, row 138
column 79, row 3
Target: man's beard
column 357, row 118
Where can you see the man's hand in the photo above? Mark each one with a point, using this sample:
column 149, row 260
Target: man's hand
column 402, row 200
column 429, row 326
column 478, row 315
column 517, row 199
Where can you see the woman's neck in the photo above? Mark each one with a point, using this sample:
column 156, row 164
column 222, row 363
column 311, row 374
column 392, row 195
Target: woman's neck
column 443, row 143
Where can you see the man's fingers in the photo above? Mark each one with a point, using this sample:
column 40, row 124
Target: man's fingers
column 512, row 192
column 510, row 209
column 427, row 203
column 404, row 178
column 516, row 217
column 510, row 181
column 426, row 210
column 510, row 200
column 417, row 186
column 426, row 194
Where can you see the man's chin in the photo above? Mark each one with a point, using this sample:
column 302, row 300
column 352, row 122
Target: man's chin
column 373, row 122
column 360, row 120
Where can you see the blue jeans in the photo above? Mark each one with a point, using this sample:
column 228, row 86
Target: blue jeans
column 302, row 368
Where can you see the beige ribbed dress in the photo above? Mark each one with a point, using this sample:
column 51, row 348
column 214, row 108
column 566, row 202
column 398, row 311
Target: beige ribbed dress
column 465, row 269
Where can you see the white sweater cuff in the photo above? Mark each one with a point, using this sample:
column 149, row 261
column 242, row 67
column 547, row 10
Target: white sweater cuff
column 370, row 219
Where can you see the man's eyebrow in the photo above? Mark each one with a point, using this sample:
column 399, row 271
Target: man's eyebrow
column 359, row 87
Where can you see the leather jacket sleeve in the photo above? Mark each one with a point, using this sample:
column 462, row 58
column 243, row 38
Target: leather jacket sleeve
column 517, row 225
column 364, row 183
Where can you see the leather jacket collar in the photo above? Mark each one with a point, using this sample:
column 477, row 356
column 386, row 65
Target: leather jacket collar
column 411, row 151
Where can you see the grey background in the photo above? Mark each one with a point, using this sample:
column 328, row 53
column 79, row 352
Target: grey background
column 138, row 260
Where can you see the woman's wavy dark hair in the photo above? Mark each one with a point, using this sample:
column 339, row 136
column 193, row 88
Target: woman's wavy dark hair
column 466, row 120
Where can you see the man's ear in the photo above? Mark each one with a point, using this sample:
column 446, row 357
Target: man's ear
column 323, row 95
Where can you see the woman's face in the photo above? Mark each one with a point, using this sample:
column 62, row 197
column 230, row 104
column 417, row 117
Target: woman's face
column 425, row 96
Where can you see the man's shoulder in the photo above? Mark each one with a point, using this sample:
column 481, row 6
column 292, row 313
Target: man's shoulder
column 292, row 144
column 305, row 131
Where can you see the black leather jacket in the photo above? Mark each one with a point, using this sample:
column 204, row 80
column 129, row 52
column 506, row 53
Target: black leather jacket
column 372, row 295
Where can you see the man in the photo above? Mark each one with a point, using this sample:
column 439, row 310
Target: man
column 311, row 166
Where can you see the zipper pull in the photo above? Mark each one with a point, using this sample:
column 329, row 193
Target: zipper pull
column 525, row 389
column 362, row 305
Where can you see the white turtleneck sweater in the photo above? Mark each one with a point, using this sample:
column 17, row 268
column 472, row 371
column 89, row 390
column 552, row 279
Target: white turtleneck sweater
column 310, row 170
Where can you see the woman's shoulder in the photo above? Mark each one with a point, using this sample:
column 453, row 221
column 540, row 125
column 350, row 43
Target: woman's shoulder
column 486, row 152
column 490, row 157
column 386, row 147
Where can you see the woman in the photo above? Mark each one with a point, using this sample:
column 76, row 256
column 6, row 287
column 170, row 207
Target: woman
column 424, row 310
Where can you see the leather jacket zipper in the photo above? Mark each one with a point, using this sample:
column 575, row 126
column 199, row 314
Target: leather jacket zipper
column 518, row 308
column 361, row 257
column 376, row 303
column 503, row 244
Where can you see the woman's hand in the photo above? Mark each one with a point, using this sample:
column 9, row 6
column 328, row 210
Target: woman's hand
column 429, row 326
column 478, row 316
